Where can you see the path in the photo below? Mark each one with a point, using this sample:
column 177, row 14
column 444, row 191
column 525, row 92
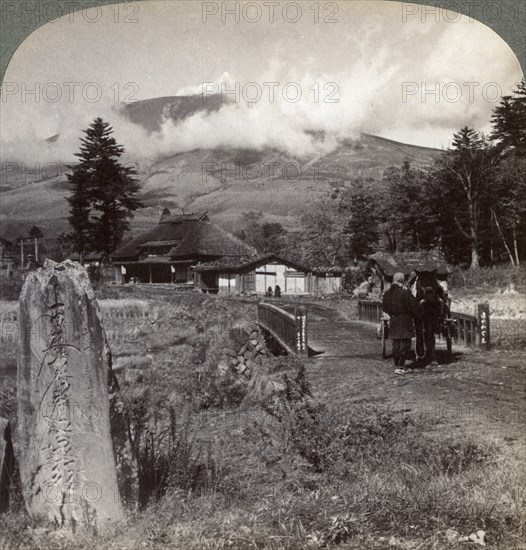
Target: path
column 477, row 393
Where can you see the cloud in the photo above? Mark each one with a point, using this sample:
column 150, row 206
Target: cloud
column 350, row 82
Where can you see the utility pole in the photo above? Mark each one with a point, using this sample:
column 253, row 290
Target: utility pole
column 21, row 253
column 36, row 250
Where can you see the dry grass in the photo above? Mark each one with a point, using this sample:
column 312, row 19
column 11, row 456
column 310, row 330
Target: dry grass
column 292, row 476
column 387, row 481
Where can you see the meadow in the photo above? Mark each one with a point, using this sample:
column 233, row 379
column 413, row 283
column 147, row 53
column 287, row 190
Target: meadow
column 306, row 468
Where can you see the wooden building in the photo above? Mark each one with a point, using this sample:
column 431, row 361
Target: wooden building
column 166, row 253
column 255, row 275
column 383, row 266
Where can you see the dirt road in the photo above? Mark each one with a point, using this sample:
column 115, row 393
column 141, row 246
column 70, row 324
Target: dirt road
column 475, row 393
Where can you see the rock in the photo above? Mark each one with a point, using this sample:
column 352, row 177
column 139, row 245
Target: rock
column 249, row 354
column 230, row 344
column 452, row 535
column 478, row 538
column 222, row 367
column 63, row 440
column 234, row 362
column 240, row 358
column 241, row 368
column 249, row 363
column 230, row 352
column 243, row 350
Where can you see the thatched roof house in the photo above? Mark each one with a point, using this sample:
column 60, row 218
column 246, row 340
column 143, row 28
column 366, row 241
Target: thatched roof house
column 166, row 253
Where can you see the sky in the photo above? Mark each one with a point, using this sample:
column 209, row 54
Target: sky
column 343, row 68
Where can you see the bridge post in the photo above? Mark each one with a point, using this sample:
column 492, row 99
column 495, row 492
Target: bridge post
column 301, row 331
column 483, row 326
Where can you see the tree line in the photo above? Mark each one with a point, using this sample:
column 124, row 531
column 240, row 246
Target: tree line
column 471, row 204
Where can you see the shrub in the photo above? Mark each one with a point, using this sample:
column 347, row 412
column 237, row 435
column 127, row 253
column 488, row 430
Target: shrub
column 164, row 447
column 489, row 279
column 10, row 287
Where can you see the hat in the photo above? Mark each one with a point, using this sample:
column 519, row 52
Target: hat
column 399, row 278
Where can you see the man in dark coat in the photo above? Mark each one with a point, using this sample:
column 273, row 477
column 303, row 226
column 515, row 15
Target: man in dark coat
column 402, row 307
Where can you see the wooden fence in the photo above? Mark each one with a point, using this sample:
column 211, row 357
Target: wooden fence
column 472, row 331
column 290, row 330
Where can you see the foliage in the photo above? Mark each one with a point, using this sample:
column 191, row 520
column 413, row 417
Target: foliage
column 360, row 200
column 325, row 240
column 264, row 236
column 10, row 287
column 35, row 231
column 104, row 193
column 461, row 187
column 509, row 123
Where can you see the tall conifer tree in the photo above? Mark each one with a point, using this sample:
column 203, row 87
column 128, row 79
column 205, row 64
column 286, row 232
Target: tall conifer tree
column 104, row 193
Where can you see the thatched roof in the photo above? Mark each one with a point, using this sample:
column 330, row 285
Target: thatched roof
column 188, row 236
column 408, row 262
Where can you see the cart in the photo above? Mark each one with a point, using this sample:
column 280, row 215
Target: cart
column 421, row 271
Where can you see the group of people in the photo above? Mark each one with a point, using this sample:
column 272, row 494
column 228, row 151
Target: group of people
column 277, row 292
column 405, row 311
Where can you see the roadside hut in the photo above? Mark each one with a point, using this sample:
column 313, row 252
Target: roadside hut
column 383, row 266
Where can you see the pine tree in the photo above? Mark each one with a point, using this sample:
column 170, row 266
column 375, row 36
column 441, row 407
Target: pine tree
column 509, row 135
column 509, row 123
column 79, row 213
column 104, row 193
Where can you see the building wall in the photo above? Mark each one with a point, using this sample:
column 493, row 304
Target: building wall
column 327, row 284
column 289, row 280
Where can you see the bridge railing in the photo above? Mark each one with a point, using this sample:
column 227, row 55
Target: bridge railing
column 370, row 310
column 472, row 331
column 290, row 330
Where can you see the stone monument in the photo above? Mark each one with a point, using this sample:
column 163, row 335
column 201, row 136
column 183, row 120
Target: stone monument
column 63, row 442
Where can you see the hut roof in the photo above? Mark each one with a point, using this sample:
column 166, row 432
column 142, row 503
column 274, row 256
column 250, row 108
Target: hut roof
column 187, row 235
column 407, row 262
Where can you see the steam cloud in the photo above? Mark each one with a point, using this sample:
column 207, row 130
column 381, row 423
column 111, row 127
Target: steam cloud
column 304, row 116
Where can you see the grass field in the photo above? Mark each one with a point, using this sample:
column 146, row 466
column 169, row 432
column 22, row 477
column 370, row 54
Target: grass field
column 348, row 457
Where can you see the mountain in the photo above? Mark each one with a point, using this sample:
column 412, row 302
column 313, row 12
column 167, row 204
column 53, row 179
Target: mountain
column 223, row 181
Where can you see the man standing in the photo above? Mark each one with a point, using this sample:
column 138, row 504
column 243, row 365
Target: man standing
column 402, row 307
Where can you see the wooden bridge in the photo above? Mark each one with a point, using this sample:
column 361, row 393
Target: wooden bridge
column 472, row 331
column 289, row 330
